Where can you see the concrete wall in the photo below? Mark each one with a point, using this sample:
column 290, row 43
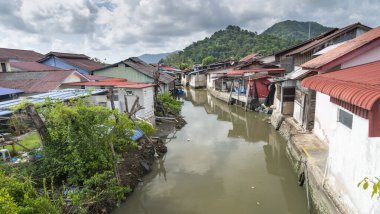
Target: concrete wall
column 209, row 80
column 352, row 155
column 369, row 56
column 56, row 62
column 198, row 80
column 146, row 100
column 297, row 109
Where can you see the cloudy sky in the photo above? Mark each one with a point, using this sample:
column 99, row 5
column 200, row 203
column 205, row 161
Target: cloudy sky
column 117, row 29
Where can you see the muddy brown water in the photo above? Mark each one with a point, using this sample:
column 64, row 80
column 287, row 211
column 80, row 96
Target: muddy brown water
column 225, row 160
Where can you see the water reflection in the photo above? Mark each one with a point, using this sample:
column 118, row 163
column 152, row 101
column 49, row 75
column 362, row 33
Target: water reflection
column 225, row 160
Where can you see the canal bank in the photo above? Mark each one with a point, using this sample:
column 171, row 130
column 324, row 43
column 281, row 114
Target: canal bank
column 225, row 160
column 309, row 158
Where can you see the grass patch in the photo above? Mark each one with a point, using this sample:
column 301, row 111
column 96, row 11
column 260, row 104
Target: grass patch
column 31, row 141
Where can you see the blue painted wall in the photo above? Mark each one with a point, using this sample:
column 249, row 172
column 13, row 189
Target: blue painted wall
column 56, row 62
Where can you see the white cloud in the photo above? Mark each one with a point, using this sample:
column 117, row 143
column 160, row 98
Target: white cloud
column 117, row 29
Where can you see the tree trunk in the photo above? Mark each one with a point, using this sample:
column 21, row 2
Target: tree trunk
column 38, row 123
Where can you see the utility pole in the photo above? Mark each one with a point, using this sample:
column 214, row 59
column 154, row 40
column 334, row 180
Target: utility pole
column 156, row 76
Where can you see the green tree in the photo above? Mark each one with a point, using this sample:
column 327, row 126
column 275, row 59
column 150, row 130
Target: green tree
column 80, row 139
column 209, row 60
column 233, row 42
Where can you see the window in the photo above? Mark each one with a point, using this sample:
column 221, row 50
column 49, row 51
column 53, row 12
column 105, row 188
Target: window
column 82, row 87
column 129, row 93
column 345, row 118
column 102, row 87
column 3, row 67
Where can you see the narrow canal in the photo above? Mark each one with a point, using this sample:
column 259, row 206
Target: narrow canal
column 225, row 160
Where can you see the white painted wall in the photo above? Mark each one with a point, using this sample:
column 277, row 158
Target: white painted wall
column 352, row 155
column 209, row 82
column 149, row 104
column 198, row 80
column 370, row 56
column 72, row 78
column 297, row 112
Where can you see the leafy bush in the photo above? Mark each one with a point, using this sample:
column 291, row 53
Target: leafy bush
column 102, row 187
column 170, row 103
column 80, row 137
column 20, row 196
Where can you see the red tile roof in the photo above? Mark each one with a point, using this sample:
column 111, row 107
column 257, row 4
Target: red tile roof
column 268, row 70
column 35, row 82
column 326, row 37
column 344, row 49
column 359, row 85
column 246, row 58
column 20, row 55
column 115, row 82
column 32, row 66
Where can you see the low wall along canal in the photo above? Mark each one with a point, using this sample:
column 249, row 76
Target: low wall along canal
column 225, row 160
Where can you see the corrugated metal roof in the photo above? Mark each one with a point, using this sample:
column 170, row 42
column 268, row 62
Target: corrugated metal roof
column 7, row 91
column 359, row 85
column 32, row 66
column 59, row 96
column 118, row 83
column 79, row 60
column 268, row 70
column 328, row 48
column 322, row 40
column 147, row 69
column 35, row 82
column 344, row 49
column 143, row 67
column 246, row 58
column 20, row 55
column 298, row 73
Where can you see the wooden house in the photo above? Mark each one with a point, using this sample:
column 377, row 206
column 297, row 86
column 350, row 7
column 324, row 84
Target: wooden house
column 246, row 83
column 136, row 70
column 291, row 98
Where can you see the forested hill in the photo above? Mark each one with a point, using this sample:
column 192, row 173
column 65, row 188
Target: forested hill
column 234, row 42
column 295, row 30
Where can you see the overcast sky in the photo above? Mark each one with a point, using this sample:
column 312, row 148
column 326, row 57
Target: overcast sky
column 117, row 29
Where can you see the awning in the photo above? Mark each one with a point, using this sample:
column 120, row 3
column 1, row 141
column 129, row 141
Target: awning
column 298, row 73
column 359, row 85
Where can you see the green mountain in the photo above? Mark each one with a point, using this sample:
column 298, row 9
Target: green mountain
column 235, row 43
column 154, row 58
column 296, row 30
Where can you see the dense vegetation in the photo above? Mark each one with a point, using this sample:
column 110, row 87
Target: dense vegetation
column 294, row 30
column 235, row 43
column 78, row 170
column 169, row 103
